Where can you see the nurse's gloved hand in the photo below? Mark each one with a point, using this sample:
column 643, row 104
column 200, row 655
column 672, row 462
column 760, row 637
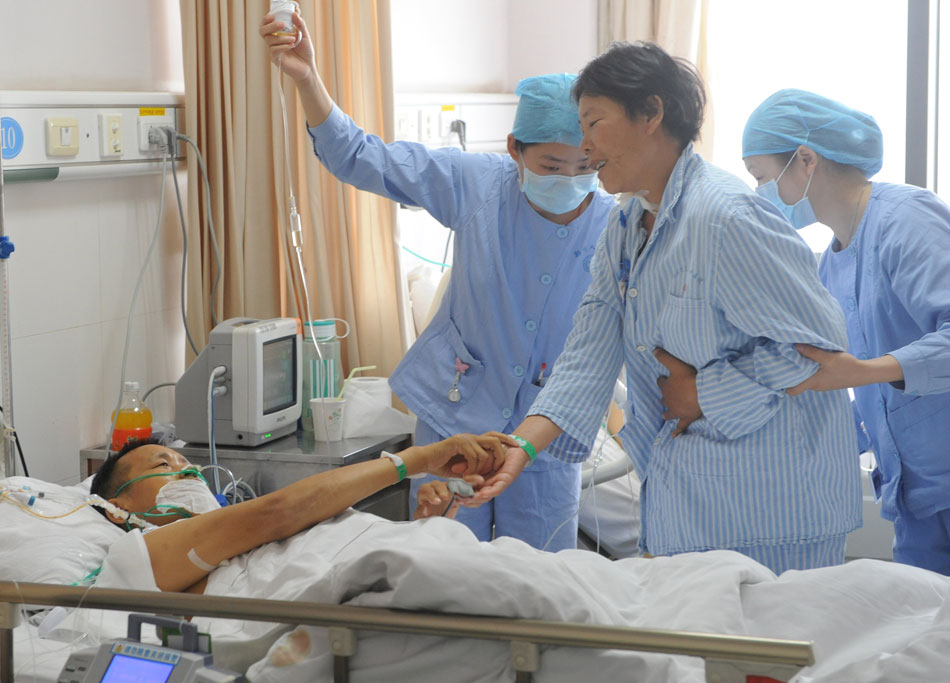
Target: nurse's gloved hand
column 515, row 461
column 292, row 53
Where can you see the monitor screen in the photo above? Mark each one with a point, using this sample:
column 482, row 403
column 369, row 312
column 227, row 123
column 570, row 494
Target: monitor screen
column 125, row 669
column 280, row 374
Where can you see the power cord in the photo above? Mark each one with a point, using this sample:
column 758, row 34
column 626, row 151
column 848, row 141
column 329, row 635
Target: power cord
column 458, row 127
column 213, row 391
column 214, row 239
column 184, row 261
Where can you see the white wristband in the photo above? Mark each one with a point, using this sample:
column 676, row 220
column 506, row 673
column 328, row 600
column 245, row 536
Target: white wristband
column 400, row 466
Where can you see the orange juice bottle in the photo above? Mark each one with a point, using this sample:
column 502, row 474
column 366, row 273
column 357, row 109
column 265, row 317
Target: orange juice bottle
column 134, row 420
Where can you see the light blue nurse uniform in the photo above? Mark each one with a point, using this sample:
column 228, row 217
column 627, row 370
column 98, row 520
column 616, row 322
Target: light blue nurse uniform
column 516, row 280
column 893, row 283
column 724, row 284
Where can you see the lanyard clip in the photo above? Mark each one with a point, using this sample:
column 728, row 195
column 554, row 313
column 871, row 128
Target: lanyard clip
column 454, row 394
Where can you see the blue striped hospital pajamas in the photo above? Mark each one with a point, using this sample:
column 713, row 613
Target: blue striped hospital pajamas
column 726, row 285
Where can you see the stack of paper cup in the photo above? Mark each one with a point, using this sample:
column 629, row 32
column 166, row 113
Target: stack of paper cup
column 327, row 414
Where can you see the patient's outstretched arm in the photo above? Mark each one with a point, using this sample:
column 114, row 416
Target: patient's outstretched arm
column 219, row 535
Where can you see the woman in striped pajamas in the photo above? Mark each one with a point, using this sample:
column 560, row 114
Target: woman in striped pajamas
column 700, row 289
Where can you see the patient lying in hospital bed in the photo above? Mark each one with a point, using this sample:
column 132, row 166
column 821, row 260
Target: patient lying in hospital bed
column 870, row 621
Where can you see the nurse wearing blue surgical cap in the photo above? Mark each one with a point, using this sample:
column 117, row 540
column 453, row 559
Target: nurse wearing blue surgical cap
column 888, row 266
column 525, row 224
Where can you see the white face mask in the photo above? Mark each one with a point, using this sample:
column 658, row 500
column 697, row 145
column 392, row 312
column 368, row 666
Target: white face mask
column 191, row 495
column 557, row 193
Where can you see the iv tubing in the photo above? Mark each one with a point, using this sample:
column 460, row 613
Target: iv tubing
column 295, row 231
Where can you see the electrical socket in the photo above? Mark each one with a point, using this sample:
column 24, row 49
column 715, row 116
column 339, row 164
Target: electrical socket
column 429, row 124
column 110, row 134
column 146, row 124
column 448, row 114
column 407, row 123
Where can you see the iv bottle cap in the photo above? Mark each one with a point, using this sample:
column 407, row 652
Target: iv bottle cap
column 130, row 386
column 323, row 329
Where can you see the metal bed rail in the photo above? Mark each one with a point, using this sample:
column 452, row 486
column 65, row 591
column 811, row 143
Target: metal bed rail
column 728, row 658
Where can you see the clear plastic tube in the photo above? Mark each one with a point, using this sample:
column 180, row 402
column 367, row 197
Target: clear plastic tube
column 296, row 232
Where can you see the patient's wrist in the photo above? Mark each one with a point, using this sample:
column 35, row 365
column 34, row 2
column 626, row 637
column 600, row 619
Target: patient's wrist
column 415, row 461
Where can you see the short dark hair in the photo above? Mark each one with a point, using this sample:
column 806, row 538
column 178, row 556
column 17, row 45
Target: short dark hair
column 632, row 73
column 106, row 481
column 522, row 146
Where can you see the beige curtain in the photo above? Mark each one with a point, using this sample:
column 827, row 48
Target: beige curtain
column 233, row 112
column 678, row 26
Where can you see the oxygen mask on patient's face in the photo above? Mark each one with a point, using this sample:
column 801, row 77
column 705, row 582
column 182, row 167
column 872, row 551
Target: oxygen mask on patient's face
column 188, row 494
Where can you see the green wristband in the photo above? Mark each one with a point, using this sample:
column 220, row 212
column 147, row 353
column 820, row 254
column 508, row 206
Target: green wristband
column 525, row 446
column 397, row 461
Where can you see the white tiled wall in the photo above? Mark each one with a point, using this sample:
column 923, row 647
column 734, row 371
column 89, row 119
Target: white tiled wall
column 80, row 245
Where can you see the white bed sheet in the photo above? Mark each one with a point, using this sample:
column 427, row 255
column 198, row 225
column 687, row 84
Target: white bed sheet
column 37, row 660
column 870, row 620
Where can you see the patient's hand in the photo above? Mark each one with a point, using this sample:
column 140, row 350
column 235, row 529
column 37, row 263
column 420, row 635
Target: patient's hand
column 466, row 454
column 434, row 498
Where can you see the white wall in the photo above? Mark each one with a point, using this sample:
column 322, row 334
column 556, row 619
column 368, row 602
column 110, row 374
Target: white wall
column 488, row 45
column 550, row 36
column 80, row 244
column 479, row 46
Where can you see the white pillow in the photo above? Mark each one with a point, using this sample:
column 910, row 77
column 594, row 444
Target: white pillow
column 64, row 550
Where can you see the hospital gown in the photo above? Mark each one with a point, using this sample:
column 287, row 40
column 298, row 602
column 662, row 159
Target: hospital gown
column 516, row 280
column 893, row 282
column 724, row 284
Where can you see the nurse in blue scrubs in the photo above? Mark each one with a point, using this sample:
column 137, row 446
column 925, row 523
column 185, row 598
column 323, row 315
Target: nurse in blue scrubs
column 888, row 266
column 525, row 224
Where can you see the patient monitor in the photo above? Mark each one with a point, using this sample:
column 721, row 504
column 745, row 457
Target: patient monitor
column 257, row 385
column 129, row 660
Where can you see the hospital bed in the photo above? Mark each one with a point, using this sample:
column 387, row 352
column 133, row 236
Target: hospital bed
column 387, row 596
column 726, row 656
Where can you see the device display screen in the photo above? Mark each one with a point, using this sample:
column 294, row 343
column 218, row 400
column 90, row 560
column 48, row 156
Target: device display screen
column 125, row 669
column 280, row 374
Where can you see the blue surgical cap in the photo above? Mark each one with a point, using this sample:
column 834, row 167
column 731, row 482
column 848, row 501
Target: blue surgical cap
column 790, row 118
column 546, row 112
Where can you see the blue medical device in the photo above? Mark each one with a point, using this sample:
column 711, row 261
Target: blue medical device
column 125, row 661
